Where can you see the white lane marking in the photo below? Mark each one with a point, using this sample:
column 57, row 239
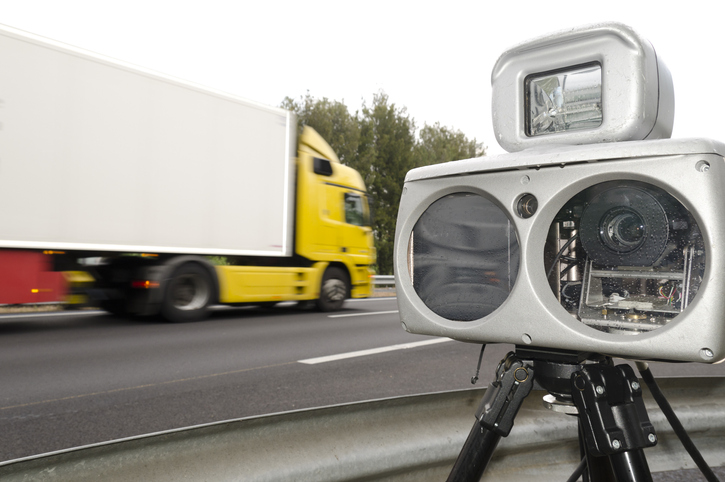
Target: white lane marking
column 363, row 314
column 373, row 298
column 51, row 314
column 372, row 351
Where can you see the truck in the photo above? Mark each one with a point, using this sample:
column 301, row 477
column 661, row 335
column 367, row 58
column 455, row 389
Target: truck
column 26, row 277
column 182, row 197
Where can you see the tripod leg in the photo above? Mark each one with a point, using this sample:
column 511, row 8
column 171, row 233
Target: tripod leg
column 631, row 466
column 475, row 455
column 599, row 469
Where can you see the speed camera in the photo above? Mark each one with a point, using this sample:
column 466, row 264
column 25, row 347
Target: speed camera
column 595, row 233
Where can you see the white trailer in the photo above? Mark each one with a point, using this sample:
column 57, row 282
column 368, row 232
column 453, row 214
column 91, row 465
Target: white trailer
column 99, row 155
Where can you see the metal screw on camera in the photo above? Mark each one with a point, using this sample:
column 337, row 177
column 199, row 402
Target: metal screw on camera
column 652, row 438
column 635, row 386
column 616, row 444
column 600, row 390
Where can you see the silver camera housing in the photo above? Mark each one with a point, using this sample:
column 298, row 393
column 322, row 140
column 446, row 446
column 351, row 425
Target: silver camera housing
column 595, row 234
column 691, row 171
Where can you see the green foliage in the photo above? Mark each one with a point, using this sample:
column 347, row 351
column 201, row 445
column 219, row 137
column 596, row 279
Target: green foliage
column 441, row 144
column 386, row 153
column 332, row 120
column 381, row 144
column 219, row 260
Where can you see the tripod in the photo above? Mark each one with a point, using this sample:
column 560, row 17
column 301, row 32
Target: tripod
column 613, row 424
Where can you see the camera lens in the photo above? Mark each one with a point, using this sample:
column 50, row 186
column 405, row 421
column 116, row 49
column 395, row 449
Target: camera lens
column 527, row 206
column 626, row 225
column 622, row 230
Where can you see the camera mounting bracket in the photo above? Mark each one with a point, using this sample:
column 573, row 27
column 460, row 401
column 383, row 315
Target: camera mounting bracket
column 613, row 417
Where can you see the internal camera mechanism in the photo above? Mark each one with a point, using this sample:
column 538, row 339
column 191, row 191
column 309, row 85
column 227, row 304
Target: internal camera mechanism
column 624, row 257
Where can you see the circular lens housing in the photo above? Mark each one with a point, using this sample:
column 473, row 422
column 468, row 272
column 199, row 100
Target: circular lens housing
column 624, row 257
column 463, row 257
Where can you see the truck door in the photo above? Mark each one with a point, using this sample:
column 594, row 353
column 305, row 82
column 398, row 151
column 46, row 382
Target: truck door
column 356, row 233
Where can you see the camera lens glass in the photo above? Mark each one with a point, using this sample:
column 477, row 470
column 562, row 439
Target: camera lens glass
column 622, row 230
column 627, row 224
column 463, row 257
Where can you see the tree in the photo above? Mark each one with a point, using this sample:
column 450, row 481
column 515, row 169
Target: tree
column 332, row 120
column 380, row 143
column 385, row 155
column 440, row 144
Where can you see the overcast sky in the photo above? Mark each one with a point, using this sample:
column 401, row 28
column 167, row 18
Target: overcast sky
column 435, row 58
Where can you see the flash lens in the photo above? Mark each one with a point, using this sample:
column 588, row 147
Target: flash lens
column 565, row 100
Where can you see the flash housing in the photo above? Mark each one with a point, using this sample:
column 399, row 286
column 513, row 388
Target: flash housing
column 601, row 83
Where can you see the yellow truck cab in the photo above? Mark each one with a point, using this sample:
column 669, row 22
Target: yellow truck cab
column 333, row 241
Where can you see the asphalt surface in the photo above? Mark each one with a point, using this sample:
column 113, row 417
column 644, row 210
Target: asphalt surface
column 73, row 379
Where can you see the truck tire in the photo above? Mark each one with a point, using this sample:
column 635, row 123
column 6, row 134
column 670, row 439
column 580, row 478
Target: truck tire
column 188, row 294
column 334, row 290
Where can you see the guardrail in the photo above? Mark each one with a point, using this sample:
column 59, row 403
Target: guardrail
column 409, row 438
column 384, row 280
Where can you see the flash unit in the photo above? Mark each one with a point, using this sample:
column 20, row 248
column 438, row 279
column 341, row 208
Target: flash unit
column 601, row 237
column 601, row 83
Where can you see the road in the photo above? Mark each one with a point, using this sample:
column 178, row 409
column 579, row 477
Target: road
column 73, row 379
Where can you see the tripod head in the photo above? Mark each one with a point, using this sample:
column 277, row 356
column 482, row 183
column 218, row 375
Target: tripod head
column 607, row 399
column 554, row 368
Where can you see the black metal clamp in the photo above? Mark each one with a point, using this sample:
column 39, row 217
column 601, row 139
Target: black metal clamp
column 613, row 418
column 494, row 417
column 504, row 396
column 609, row 400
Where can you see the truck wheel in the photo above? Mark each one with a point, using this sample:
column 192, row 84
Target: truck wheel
column 333, row 290
column 188, row 294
